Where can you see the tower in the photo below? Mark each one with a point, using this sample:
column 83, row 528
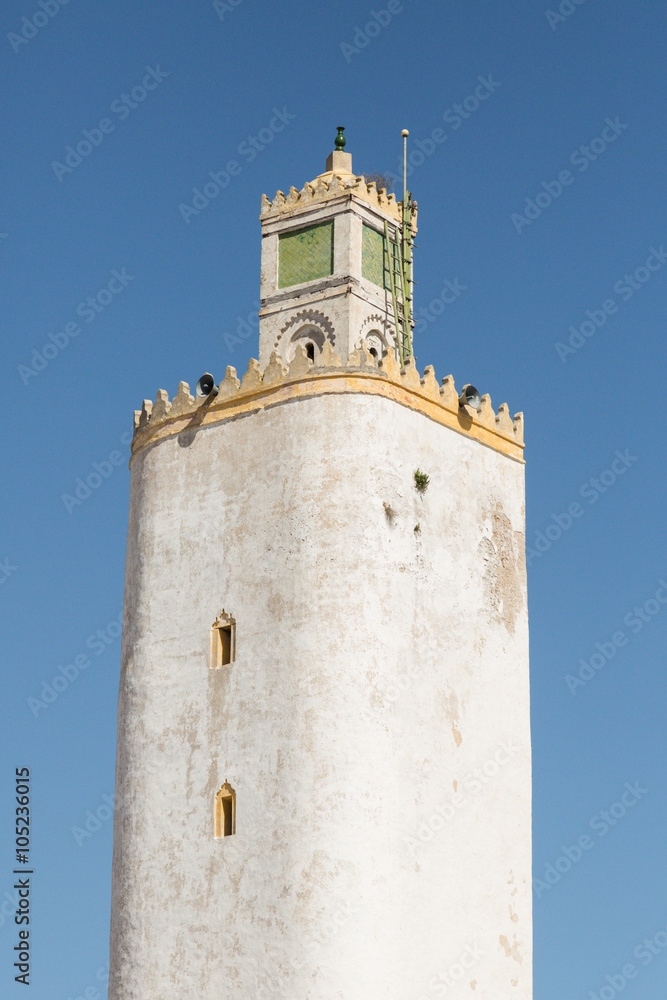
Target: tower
column 327, row 266
column 323, row 766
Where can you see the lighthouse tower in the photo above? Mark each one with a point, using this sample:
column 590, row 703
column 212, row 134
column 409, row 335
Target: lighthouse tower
column 323, row 768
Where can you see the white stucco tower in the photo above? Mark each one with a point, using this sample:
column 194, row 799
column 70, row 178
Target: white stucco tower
column 323, row 783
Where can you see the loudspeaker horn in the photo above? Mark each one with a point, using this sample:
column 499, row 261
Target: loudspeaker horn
column 469, row 397
column 206, row 386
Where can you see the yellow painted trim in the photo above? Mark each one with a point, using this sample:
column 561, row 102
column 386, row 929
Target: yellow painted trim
column 325, row 383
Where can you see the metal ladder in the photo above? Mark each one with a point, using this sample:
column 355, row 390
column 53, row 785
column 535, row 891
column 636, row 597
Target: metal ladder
column 400, row 278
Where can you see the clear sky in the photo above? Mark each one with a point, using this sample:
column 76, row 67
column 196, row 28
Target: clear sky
column 538, row 161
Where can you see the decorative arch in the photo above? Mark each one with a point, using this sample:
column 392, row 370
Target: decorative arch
column 311, row 338
column 308, row 326
column 225, row 811
column 376, row 345
column 377, row 336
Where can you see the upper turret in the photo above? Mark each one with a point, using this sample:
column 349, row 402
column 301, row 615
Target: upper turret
column 325, row 271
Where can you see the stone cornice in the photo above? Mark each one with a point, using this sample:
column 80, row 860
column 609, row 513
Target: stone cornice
column 302, row 380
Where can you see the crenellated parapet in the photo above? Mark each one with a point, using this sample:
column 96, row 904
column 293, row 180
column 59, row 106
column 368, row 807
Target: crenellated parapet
column 326, row 187
column 303, row 378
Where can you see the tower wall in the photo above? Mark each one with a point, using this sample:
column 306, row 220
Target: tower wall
column 375, row 721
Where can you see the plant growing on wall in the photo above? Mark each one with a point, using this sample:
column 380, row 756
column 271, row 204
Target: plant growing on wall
column 421, row 481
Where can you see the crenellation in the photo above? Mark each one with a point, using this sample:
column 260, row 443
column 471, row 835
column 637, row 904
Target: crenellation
column 252, row 378
column 321, row 188
column 230, row 384
column 448, row 393
column 485, row 412
column 162, row 406
column 335, row 185
column 360, row 358
column 329, row 364
column 328, row 186
column 328, row 357
column 183, row 401
column 146, row 411
column 391, row 367
column 429, row 383
column 275, row 371
column 503, row 419
column 306, row 193
column 300, row 364
column 410, row 376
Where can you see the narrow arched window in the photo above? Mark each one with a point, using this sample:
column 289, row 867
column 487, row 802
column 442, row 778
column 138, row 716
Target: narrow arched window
column 225, row 811
column 376, row 346
column 223, row 640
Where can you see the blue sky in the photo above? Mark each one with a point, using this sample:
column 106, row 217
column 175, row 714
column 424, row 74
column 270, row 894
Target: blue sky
column 542, row 201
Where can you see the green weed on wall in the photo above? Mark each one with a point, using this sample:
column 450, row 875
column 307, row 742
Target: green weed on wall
column 305, row 254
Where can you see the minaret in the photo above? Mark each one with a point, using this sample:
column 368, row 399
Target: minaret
column 323, row 782
column 325, row 273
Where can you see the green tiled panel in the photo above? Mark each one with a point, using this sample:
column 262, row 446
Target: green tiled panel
column 373, row 258
column 305, row 255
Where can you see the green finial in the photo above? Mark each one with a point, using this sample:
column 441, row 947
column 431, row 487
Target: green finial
column 340, row 138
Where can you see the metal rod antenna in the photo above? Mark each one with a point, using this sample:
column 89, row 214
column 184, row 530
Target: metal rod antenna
column 405, row 135
column 406, row 250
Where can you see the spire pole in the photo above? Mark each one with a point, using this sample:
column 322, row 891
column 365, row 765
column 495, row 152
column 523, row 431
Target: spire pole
column 406, row 250
column 405, row 135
